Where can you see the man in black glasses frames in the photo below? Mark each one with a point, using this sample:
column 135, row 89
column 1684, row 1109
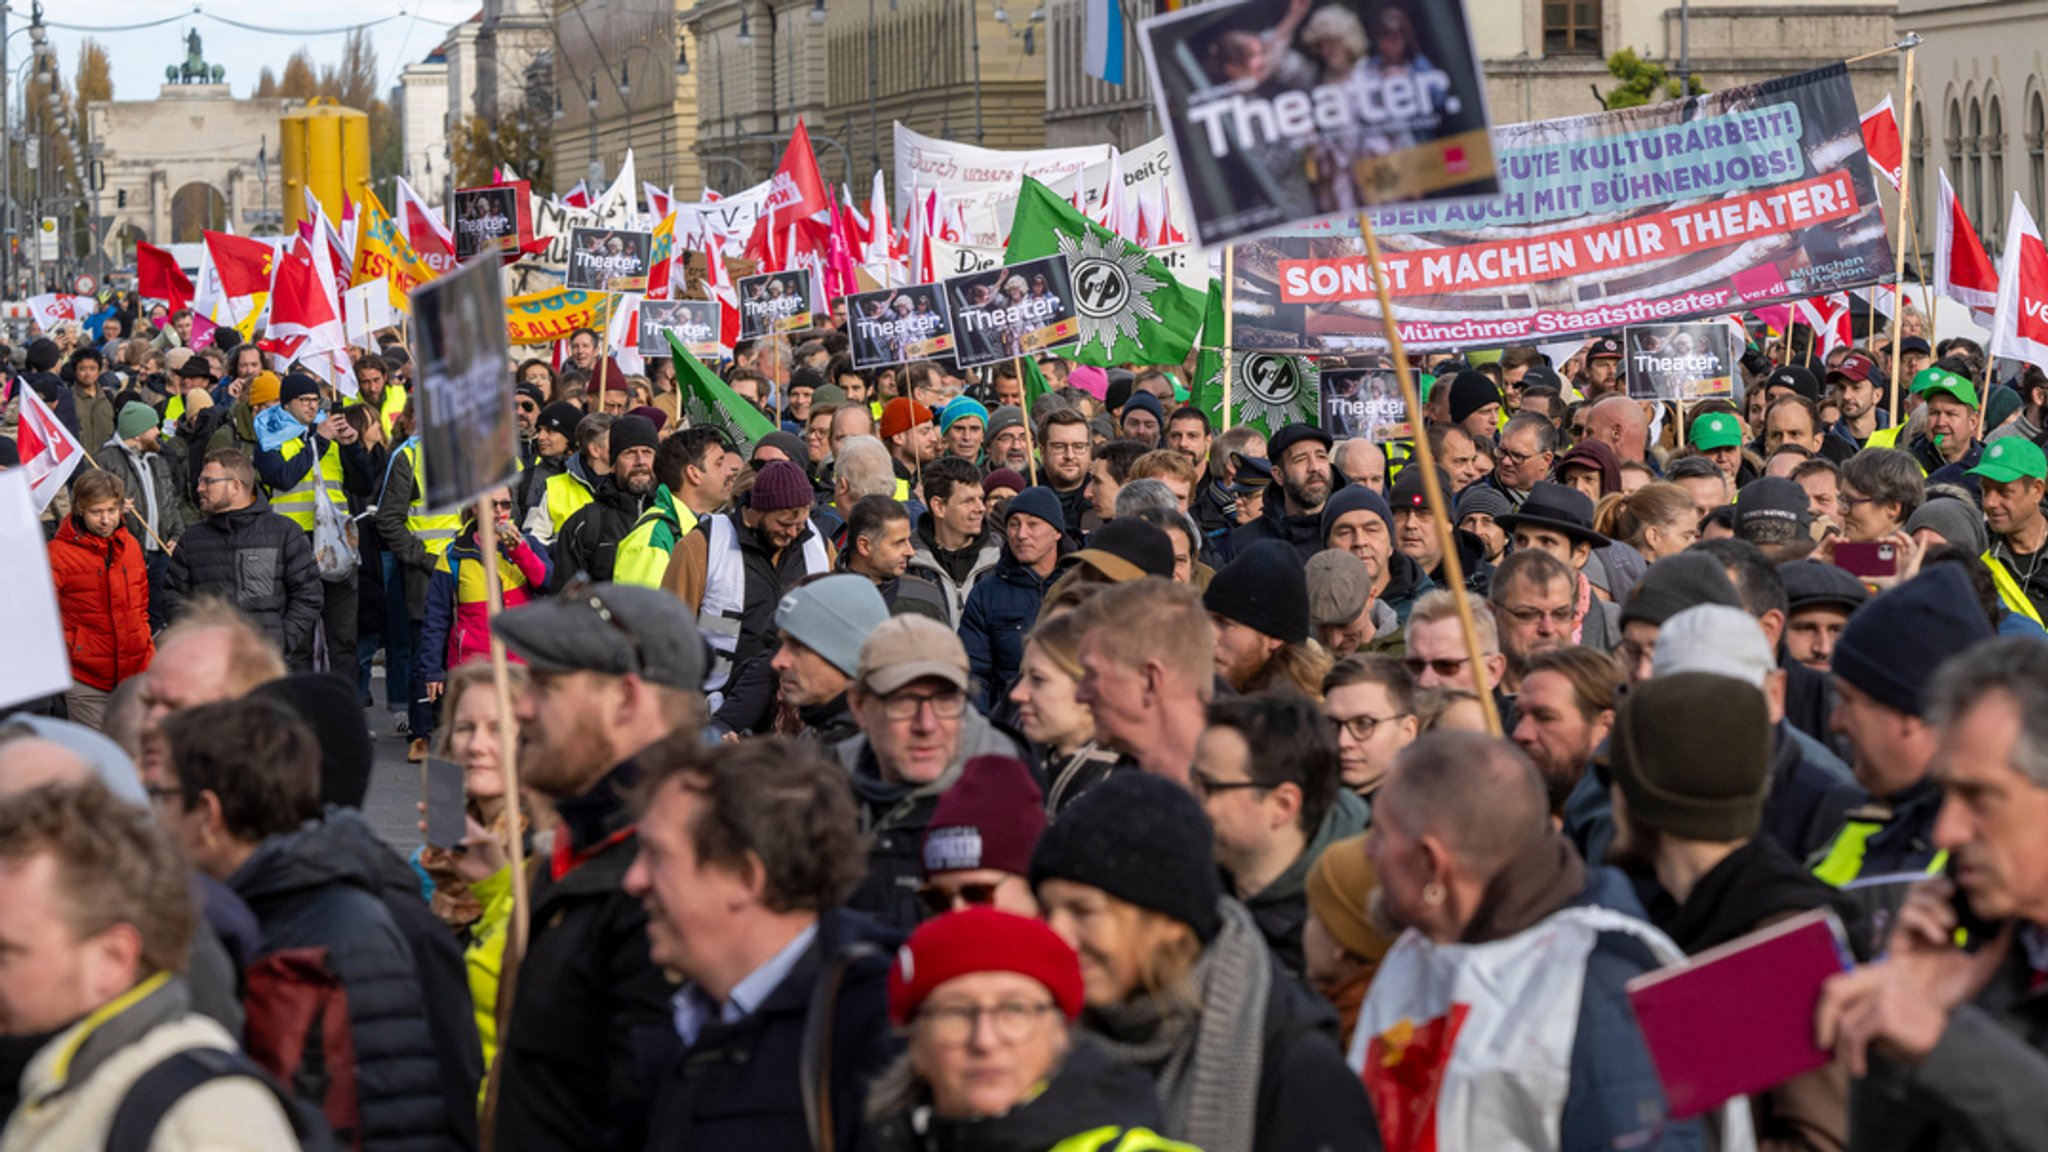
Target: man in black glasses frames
column 615, row 670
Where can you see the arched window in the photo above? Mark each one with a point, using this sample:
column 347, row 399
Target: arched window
column 1973, row 147
column 1994, row 167
column 1953, row 138
column 2037, row 150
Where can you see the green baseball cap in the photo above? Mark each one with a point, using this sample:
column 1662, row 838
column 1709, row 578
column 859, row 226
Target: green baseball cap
column 2009, row 459
column 1715, row 430
column 1931, row 380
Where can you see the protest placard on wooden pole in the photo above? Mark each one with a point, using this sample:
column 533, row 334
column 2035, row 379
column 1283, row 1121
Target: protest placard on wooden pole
column 1229, row 286
column 1433, row 493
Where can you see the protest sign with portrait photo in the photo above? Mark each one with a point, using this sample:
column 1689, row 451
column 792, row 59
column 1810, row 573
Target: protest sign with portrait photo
column 468, row 426
column 897, row 325
column 775, row 303
column 1280, row 113
column 1681, row 361
column 496, row 218
column 693, row 322
column 1014, row 310
column 609, row 259
column 1364, row 402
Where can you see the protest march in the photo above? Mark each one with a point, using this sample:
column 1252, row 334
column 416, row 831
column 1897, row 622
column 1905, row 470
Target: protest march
column 1359, row 624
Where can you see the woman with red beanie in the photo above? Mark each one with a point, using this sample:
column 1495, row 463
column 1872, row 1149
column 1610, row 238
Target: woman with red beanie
column 989, row 1000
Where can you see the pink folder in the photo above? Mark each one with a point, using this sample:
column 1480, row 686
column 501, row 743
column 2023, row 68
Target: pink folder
column 1738, row 1019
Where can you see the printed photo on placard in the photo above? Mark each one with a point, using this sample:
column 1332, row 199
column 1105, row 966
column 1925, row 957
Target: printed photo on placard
column 1680, row 361
column 897, row 325
column 1364, row 402
column 468, row 433
column 694, row 322
column 498, row 218
column 775, row 303
column 609, row 259
column 1016, row 310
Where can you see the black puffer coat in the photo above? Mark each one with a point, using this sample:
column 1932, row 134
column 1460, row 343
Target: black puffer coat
column 260, row 562
column 310, row 889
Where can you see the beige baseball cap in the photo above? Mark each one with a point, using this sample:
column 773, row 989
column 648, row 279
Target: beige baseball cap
column 903, row 649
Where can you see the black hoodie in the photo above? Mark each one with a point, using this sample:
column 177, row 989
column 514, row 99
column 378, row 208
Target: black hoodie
column 1754, row 885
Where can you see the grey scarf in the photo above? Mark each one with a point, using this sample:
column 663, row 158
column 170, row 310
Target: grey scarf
column 1203, row 1042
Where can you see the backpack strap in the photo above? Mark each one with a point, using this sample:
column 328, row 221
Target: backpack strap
column 814, row 1063
column 159, row 1089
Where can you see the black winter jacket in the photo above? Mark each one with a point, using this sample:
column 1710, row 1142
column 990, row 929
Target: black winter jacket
column 569, row 1073
column 261, row 563
column 589, row 540
column 739, row 1086
column 1089, row 1093
column 310, row 889
column 1305, row 531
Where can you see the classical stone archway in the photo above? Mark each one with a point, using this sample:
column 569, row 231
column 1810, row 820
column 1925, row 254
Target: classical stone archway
column 196, row 208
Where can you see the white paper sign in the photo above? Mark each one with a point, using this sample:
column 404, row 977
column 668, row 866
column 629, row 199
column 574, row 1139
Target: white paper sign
column 368, row 311
column 31, row 633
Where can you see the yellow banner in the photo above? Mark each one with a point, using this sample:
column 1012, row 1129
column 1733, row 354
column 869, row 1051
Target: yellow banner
column 545, row 317
column 383, row 253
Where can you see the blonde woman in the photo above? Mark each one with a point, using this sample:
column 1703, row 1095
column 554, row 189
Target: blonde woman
column 1061, row 728
column 1657, row 520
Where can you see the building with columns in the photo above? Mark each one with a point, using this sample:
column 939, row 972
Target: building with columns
column 196, row 157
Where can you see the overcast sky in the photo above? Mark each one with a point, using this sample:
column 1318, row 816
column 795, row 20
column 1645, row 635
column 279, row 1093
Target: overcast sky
column 139, row 57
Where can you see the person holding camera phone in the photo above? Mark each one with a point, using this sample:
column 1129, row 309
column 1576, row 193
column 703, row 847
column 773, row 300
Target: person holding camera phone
column 456, row 628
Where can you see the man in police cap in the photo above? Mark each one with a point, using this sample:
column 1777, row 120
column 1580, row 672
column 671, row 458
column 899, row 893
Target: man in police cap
column 615, row 670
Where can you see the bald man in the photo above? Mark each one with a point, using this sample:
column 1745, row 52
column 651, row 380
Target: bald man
column 1362, row 462
column 1619, row 423
column 212, row 653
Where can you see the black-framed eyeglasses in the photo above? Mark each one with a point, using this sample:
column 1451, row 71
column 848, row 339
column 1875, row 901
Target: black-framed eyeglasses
column 1514, row 459
column 1208, row 787
column 1361, row 728
column 940, row 900
column 905, row 705
column 583, row 589
column 1530, row 614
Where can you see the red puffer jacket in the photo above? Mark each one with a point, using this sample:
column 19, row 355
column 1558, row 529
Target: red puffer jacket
column 103, row 595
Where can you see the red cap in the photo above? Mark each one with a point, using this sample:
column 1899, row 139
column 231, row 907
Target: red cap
column 901, row 415
column 982, row 940
column 1856, row 366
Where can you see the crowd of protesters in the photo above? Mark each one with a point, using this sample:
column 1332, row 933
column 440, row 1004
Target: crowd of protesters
column 933, row 774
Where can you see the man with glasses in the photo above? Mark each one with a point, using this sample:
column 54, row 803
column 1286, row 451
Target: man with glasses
column 249, row 556
column 1528, row 447
column 1276, row 811
column 1369, row 701
column 615, row 671
column 917, row 733
column 1068, row 453
column 1558, row 520
column 1535, row 602
column 1437, row 657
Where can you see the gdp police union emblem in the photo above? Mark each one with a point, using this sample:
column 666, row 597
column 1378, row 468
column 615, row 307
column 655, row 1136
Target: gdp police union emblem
column 1112, row 291
column 1274, row 390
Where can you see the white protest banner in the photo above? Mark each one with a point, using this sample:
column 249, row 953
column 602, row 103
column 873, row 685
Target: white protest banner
column 979, row 179
column 367, row 311
column 730, row 218
column 950, row 260
column 37, row 663
column 469, row 432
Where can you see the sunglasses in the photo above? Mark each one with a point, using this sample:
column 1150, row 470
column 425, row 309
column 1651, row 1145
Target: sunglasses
column 1445, row 669
column 939, row 900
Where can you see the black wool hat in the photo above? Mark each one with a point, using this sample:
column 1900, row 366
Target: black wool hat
column 1145, row 841
column 632, row 432
column 1676, row 583
column 1470, row 391
column 1265, row 589
column 1891, row 647
column 327, row 704
column 562, row 417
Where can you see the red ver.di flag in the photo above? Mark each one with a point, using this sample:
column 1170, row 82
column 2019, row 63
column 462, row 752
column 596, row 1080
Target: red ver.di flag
column 469, row 435
column 1703, row 207
column 1280, row 113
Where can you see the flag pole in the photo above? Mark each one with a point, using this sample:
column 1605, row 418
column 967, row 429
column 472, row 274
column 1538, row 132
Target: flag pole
column 130, row 502
column 604, row 349
column 1229, row 294
column 1439, row 511
column 1905, row 213
column 508, row 759
column 1024, row 403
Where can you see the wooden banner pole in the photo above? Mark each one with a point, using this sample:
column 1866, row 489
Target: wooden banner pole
column 508, row 750
column 1439, row 505
column 1030, row 439
column 1229, row 322
column 130, row 509
column 1899, row 241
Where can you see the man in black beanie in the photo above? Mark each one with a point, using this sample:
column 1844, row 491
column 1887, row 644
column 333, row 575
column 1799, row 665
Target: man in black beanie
column 1475, row 405
column 1883, row 662
column 589, row 541
column 1671, row 585
column 1259, row 605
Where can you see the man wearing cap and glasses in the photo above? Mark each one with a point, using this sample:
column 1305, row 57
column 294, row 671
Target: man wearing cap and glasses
column 615, row 670
column 918, row 731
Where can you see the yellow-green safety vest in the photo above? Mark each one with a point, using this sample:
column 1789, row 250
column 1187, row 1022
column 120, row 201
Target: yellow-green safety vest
column 563, row 495
column 1843, row 861
column 394, row 403
column 2009, row 589
column 297, row 502
column 433, row 531
column 1114, row 1139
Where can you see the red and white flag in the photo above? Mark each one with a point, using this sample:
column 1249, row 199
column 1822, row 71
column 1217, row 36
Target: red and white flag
column 53, row 308
column 305, row 312
column 424, row 229
column 660, row 201
column 2020, row 329
column 718, row 286
column 49, row 452
column 1830, row 319
column 577, row 197
column 1963, row 271
column 1881, row 141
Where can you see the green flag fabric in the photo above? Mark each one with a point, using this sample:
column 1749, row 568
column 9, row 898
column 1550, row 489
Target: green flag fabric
column 711, row 403
column 1036, row 387
column 1267, row 389
column 1131, row 308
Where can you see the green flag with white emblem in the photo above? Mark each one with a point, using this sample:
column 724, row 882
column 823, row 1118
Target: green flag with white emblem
column 1131, row 308
column 1268, row 390
column 709, row 402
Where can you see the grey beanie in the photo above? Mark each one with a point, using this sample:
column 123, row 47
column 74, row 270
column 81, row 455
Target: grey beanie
column 1954, row 521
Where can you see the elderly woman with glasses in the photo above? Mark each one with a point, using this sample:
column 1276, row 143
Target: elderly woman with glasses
column 989, row 1000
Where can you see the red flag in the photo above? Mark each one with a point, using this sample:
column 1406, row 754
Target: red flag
column 49, row 453
column 578, row 197
column 2021, row 328
column 430, row 238
column 242, row 264
column 798, row 205
column 1881, row 141
column 158, row 277
column 302, row 298
column 1830, row 320
column 1963, row 272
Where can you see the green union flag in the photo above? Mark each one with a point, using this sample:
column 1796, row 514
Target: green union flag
column 1131, row 308
column 1267, row 389
column 711, row 403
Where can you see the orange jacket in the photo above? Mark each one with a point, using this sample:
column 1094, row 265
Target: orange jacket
column 103, row 596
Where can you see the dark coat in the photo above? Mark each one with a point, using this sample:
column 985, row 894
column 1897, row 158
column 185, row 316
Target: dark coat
column 569, row 1077
column 738, row 1087
column 1308, row 1095
column 589, row 540
column 154, row 470
column 999, row 614
column 415, row 563
column 261, row 563
column 1305, row 531
column 1806, row 798
column 310, row 889
column 1090, row 1092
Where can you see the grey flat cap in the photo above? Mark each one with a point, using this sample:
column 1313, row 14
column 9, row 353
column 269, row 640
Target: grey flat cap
column 612, row 629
